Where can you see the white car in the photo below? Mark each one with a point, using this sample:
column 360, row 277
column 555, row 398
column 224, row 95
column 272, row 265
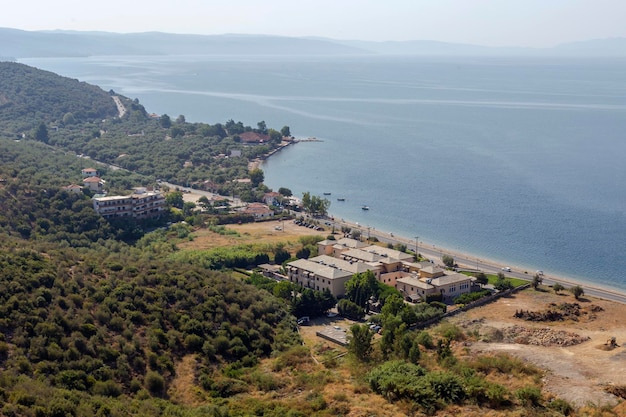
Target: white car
column 506, row 269
column 539, row 272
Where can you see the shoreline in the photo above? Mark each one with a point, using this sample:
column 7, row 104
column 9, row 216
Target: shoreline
column 470, row 262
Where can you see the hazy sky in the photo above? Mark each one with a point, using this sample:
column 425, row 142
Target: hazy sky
column 535, row 23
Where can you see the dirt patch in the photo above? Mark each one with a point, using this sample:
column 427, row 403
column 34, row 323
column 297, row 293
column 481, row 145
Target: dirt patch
column 568, row 348
column 274, row 231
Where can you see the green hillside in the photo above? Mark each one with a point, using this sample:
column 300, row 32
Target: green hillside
column 29, row 96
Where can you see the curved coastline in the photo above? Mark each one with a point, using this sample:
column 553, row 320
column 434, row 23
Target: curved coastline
column 470, row 262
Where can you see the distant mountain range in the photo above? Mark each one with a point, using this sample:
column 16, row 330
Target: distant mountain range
column 16, row 44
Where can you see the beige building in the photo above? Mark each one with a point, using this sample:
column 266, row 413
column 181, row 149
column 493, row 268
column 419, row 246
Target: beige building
column 94, row 184
column 325, row 272
column 259, row 211
column 336, row 247
column 434, row 280
column 89, row 172
column 415, row 280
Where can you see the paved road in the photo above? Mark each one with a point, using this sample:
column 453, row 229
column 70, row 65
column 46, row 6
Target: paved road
column 470, row 263
column 121, row 109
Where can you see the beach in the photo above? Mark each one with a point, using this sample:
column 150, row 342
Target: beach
column 468, row 261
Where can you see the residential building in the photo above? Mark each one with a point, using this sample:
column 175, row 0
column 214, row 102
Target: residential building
column 325, row 272
column 259, row 211
column 415, row 280
column 89, row 172
column 433, row 280
column 336, row 247
column 95, row 184
column 138, row 206
column 389, row 260
column 271, row 198
column 74, row 188
column 253, row 138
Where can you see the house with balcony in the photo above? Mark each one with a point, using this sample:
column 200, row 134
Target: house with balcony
column 137, row 206
column 325, row 272
column 89, row 172
column 95, row 184
column 430, row 281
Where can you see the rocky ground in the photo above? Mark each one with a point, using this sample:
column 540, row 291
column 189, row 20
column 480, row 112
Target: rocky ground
column 574, row 346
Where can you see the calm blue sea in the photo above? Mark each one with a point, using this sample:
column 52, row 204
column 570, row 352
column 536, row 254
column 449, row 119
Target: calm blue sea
column 521, row 160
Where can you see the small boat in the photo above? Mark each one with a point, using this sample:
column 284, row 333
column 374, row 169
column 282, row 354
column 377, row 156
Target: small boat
column 326, row 193
column 365, row 208
column 341, row 199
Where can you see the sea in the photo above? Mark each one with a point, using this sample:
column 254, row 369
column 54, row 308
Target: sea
column 520, row 160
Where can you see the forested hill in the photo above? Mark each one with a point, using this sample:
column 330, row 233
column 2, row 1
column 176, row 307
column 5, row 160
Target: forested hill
column 21, row 44
column 29, row 95
column 94, row 318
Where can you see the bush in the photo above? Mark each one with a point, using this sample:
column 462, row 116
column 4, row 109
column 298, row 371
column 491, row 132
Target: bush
column 425, row 339
column 470, row 297
column 398, row 380
column 107, row 389
column 349, row 309
column 561, row 406
column 450, row 331
column 529, row 395
column 448, row 261
column 447, row 386
column 154, row 382
column 497, row 395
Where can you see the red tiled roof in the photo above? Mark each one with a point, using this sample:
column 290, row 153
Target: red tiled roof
column 253, row 137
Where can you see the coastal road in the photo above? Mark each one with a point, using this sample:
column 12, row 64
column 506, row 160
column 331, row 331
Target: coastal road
column 469, row 263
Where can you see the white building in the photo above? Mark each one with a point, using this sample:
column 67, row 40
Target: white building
column 138, row 206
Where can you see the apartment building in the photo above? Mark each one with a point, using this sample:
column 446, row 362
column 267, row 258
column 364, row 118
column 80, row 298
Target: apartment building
column 142, row 205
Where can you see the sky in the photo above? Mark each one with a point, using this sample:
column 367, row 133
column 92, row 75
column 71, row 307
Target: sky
column 525, row 23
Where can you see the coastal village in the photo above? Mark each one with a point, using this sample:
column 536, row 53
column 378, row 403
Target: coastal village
column 337, row 260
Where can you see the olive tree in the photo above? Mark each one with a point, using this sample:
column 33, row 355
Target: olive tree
column 577, row 291
column 448, row 261
column 360, row 341
column 557, row 288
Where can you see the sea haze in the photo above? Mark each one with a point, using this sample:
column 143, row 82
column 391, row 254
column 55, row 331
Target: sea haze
column 516, row 159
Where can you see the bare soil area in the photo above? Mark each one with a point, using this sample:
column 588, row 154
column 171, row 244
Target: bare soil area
column 578, row 372
column 258, row 232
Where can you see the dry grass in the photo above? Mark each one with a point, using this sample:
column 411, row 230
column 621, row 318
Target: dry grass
column 184, row 389
column 250, row 233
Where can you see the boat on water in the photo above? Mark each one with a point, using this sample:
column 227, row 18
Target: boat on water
column 365, row 207
column 326, row 193
column 341, row 199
